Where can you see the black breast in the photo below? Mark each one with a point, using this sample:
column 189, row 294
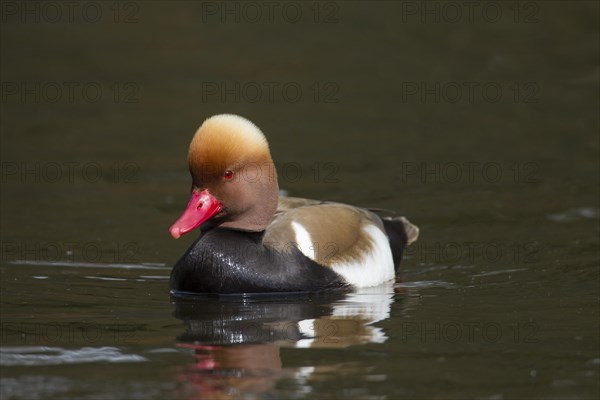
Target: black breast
column 227, row 261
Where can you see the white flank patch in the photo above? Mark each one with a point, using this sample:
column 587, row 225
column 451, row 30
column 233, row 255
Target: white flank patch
column 374, row 267
column 305, row 244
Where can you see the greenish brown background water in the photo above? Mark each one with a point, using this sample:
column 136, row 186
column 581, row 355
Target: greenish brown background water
column 479, row 124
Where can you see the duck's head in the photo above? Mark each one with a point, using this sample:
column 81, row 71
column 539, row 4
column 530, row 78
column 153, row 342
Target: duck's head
column 234, row 182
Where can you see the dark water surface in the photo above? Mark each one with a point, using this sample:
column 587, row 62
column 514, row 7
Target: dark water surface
column 481, row 128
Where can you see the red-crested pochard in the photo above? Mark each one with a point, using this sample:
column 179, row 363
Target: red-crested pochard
column 254, row 241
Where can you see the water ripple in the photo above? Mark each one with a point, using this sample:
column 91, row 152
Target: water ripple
column 154, row 266
column 41, row 355
column 502, row 271
column 426, row 284
column 575, row 214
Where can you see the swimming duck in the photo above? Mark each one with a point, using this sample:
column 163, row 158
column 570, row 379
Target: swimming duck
column 254, row 241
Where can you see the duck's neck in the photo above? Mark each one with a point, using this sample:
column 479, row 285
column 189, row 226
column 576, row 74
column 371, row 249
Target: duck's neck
column 263, row 198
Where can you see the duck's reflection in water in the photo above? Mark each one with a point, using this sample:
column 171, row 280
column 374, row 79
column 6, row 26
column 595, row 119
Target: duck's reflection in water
column 236, row 341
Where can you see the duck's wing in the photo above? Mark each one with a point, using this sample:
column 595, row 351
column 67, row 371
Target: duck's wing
column 350, row 240
column 394, row 225
column 325, row 232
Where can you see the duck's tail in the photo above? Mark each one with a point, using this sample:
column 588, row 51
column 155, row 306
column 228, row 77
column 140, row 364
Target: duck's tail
column 401, row 233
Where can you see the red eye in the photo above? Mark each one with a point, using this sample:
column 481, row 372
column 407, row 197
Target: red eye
column 228, row 174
